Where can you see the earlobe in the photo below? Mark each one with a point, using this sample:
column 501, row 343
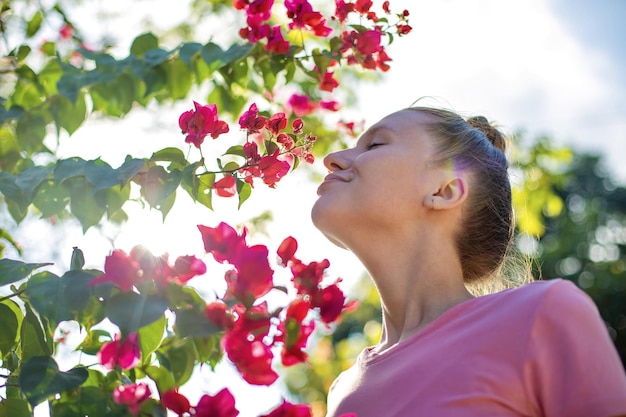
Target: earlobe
column 451, row 193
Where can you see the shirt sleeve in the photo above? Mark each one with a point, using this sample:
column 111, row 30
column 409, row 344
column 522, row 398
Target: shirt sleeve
column 572, row 366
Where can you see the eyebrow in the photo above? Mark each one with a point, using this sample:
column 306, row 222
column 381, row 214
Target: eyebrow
column 372, row 131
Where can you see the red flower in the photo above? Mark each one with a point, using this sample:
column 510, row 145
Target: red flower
column 287, row 250
column 176, row 402
column 187, row 267
column 251, row 121
column 276, row 123
column 273, row 169
column 363, row 6
column 254, row 276
column 330, row 301
column 301, row 105
column 302, row 14
column 121, row 270
column 328, row 83
column 200, row 122
column 294, row 333
column 343, row 9
column 386, row 6
column 286, row 141
column 125, row 354
column 132, row 395
column 331, row 105
column 221, row 404
column 226, row 187
column 152, row 267
column 222, row 241
column 253, row 322
column 253, row 359
column 276, row 43
column 368, row 42
column 297, row 126
column 66, row 31
column 403, row 29
column 307, row 277
column 290, row 410
column 261, row 8
column 219, row 314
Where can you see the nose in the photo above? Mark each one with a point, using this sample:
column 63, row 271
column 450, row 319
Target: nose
column 336, row 161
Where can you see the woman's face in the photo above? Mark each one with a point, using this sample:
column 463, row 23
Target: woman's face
column 380, row 184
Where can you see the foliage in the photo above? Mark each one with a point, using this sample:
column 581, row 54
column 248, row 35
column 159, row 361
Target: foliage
column 144, row 324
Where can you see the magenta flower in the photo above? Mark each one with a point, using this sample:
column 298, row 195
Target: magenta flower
column 133, row 395
column 221, row 404
column 200, row 122
column 126, row 353
column 120, row 270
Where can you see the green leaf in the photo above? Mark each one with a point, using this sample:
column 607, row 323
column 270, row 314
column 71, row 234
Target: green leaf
column 12, row 191
column 212, row 54
column 45, row 293
column 32, row 338
column 209, row 350
column 192, row 323
column 158, row 184
column 68, row 114
column 116, row 97
column 9, row 326
column 188, row 52
column 40, row 377
column 82, row 204
column 29, row 179
column 78, row 259
column 34, row 24
column 100, row 175
column 51, row 199
column 182, row 361
column 179, row 79
column 155, row 56
column 173, row 155
column 131, row 311
column 15, row 407
column 150, row 338
column 75, row 287
column 12, row 271
column 244, row 190
column 235, row 150
column 143, row 43
column 112, row 199
column 69, row 168
column 162, row 377
column 31, row 131
column 19, row 316
column 22, row 52
column 129, row 169
column 235, row 52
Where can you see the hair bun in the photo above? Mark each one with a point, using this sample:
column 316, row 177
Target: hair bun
column 496, row 137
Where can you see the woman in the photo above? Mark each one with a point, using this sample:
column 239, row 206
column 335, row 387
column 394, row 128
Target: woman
column 424, row 201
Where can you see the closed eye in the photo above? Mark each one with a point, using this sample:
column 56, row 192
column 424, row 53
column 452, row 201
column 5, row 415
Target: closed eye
column 373, row 145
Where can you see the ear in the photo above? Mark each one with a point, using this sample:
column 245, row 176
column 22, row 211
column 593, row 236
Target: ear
column 451, row 193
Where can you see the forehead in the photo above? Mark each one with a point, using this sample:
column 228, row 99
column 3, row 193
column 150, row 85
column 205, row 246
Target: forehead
column 404, row 124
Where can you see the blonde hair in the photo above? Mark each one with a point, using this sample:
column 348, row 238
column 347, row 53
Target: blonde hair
column 485, row 238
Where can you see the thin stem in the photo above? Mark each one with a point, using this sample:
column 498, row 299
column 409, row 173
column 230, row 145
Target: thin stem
column 12, row 295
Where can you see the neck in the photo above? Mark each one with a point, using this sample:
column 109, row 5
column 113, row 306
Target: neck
column 417, row 280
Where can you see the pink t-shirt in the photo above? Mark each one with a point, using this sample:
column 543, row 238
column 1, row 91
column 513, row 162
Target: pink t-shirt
column 538, row 350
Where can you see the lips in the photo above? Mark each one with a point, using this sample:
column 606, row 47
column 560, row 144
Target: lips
column 331, row 178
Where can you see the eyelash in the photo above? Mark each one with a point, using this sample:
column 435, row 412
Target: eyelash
column 372, row 145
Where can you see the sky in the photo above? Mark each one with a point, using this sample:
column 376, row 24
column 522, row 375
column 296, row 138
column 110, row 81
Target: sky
column 555, row 67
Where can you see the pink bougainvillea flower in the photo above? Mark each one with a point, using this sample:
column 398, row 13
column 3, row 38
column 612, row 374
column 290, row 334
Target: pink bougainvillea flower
column 287, row 409
column 254, row 276
column 219, row 314
column 253, row 359
column 403, row 29
column 307, row 277
column 287, row 250
column 277, row 123
column 251, row 121
column 131, row 395
column 126, row 353
column 294, row 333
column 261, row 8
column 297, row 126
column 223, row 242
column 368, row 42
column 286, row 141
column 363, row 6
column 276, row 43
column 66, row 31
column 302, row 15
column 330, row 105
column 176, row 402
column 152, row 267
column 300, row 104
column 328, row 83
column 200, row 122
column 221, row 404
column 386, row 7
column 226, row 187
column 272, row 169
column 343, row 9
column 187, row 267
column 252, row 322
column 330, row 302
column 120, row 270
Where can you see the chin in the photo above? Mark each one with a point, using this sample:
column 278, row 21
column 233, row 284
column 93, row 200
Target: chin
column 323, row 220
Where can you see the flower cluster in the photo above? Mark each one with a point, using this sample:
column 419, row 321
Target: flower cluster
column 140, row 266
column 200, row 122
column 248, row 339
